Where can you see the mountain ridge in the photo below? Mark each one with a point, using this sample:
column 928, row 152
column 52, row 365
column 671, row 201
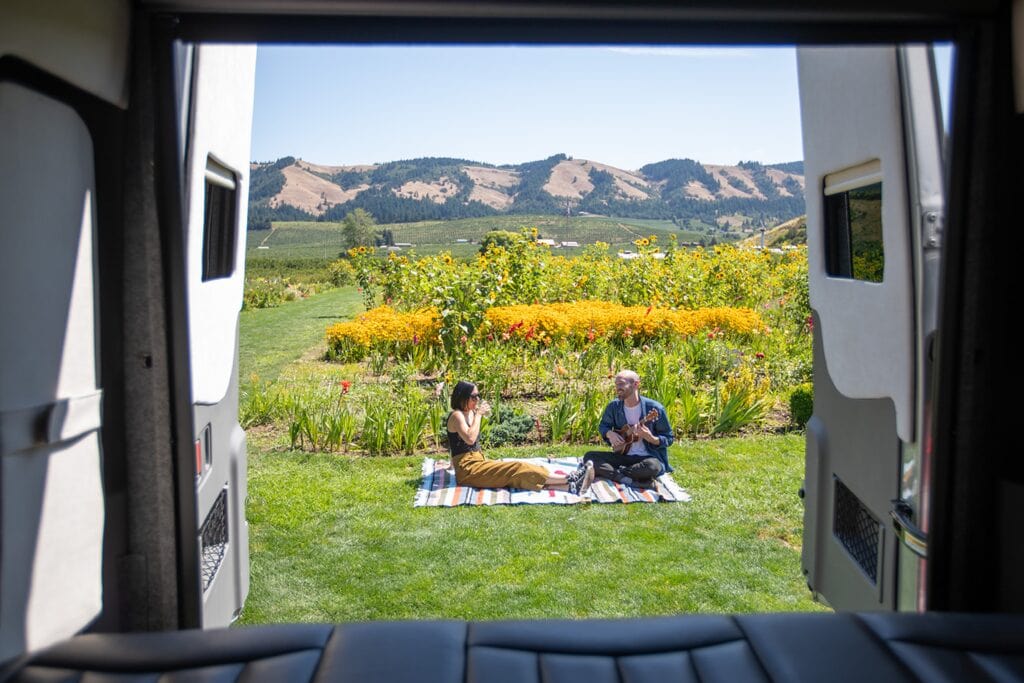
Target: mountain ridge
column 432, row 188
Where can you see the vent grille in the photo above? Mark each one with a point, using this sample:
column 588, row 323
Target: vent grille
column 214, row 538
column 856, row 529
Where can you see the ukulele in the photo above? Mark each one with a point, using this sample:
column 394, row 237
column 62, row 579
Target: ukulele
column 626, row 432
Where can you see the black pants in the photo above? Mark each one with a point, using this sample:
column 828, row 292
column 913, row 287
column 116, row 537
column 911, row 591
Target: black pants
column 614, row 466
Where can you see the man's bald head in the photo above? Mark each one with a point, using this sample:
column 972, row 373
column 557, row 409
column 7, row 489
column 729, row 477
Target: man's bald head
column 627, row 375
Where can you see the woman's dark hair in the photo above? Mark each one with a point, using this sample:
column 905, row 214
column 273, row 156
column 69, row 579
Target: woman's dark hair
column 460, row 394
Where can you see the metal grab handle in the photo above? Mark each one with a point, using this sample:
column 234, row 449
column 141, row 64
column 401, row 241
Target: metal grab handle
column 909, row 533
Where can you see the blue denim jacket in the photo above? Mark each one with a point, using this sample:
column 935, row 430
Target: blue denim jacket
column 614, row 417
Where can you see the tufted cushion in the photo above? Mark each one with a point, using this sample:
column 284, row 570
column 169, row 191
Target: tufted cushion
column 766, row 647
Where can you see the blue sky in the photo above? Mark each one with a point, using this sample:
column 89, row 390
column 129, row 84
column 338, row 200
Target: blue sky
column 625, row 106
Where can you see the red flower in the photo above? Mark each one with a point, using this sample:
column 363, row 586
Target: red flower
column 759, row 355
column 345, row 386
column 490, row 337
column 515, row 326
column 529, row 333
column 415, row 338
column 591, row 334
column 648, row 312
column 810, row 323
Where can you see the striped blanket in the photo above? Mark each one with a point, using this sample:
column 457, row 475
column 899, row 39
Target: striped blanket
column 439, row 489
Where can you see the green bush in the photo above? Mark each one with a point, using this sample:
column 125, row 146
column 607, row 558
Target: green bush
column 263, row 293
column 801, row 404
column 507, row 427
column 342, row 273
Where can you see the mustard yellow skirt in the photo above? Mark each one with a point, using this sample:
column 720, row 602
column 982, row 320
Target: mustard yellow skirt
column 472, row 469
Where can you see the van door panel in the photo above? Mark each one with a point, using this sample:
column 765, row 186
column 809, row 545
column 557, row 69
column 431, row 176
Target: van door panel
column 217, row 165
column 51, row 503
column 863, row 330
column 874, row 196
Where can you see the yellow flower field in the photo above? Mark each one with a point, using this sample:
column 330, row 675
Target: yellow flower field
column 579, row 321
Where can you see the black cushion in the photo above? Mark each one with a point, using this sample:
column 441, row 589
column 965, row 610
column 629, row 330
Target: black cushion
column 766, row 647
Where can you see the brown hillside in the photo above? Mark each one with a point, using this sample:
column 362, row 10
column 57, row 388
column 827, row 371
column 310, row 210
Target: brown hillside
column 491, row 186
column 625, row 182
column 778, row 177
column 791, row 232
column 696, row 189
column 318, row 168
column 492, row 177
column 438, row 191
column 306, row 188
column 491, row 197
column 722, row 173
column 569, row 179
column 311, row 193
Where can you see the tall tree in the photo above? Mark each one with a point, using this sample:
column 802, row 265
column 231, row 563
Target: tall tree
column 358, row 228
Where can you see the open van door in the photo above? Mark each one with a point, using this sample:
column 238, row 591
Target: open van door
column 217, row 105
column 874, row 187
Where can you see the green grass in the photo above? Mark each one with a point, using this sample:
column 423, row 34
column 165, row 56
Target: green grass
column 324, row 240
column 335, row 538
column 271, row 338
column 306, row 270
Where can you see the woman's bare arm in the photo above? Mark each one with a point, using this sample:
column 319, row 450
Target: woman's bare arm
column 467, row 425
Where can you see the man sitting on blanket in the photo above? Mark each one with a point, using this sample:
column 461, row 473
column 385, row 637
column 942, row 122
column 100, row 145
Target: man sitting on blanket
column 637, row 429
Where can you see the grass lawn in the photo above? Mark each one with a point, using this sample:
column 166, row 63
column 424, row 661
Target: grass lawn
column 270, row 338
column 335, row 538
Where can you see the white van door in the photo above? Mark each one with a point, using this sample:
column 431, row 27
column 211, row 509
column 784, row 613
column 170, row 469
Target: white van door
column 873, row 166
column 220, row 102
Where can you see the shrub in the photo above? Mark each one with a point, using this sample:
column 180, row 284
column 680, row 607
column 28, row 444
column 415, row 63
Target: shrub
column 801, row 404
column 739, row 402
column 342, row 273
column 263, row 293
column 507, row 427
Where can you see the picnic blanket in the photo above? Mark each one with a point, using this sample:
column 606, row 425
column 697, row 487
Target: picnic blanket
column 439, row 489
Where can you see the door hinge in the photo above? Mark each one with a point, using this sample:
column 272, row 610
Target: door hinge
column 907, row 532
column 933, row 223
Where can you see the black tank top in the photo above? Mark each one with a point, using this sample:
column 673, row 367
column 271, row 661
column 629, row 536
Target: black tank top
column 456, row 446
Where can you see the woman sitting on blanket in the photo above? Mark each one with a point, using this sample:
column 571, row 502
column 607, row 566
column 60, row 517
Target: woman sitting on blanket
column 472, row 469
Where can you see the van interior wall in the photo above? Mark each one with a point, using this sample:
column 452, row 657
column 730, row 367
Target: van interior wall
column 977, row 508
column 141, row 553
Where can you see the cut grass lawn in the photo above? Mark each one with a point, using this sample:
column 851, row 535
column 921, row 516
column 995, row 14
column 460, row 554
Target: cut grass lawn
column 270, row 338
column 335, row 538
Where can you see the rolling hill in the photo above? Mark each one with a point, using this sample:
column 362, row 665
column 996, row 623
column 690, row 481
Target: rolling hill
column 680, row 190
column 791, row 233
